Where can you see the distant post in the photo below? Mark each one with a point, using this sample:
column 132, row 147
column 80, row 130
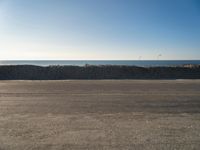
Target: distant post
column 159, row 56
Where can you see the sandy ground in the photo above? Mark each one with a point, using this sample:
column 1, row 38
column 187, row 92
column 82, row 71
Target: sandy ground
column 100, row 115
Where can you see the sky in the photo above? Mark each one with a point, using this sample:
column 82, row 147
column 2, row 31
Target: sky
column 99, row 29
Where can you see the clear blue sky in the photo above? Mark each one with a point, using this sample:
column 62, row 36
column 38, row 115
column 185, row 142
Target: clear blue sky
column 99, row 29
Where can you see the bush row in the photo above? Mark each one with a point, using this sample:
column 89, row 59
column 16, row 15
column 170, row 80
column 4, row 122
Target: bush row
column 29, row 72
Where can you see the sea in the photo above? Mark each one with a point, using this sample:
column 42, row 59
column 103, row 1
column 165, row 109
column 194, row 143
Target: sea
column 142, row 63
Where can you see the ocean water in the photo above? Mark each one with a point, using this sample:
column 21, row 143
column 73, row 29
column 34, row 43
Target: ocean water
column 144, row 63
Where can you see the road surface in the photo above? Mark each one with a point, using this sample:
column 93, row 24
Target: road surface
column 100, row 115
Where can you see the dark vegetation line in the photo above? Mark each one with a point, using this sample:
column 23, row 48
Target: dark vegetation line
column 29, row 72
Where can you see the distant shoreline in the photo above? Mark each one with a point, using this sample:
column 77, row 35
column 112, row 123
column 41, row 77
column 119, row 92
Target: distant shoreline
column 31, row 72
column 141, row 63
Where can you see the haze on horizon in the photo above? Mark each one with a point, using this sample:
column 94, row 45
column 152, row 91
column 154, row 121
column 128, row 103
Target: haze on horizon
column 99, row 29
